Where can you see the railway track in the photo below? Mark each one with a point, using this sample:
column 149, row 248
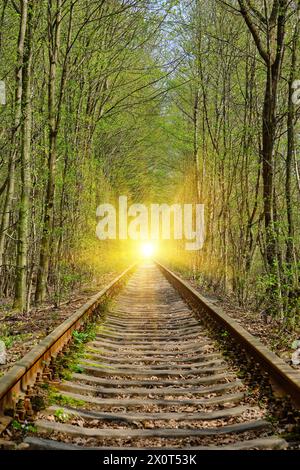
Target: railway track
column 153, row 378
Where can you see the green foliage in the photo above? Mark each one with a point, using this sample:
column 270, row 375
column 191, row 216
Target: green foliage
column 98, row 365
column 45, row 385
column 23, row 427
column 268, row 281
column 224, row 334
column 61, row 415
column 88, row 334
column 16, row 425
column 76, row 368
column 68, row 364
column 58, row 398
column 8, row 341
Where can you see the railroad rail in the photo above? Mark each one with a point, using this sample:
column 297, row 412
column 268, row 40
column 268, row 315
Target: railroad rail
column 24, row 373
column 152, row 377
column 283, row 377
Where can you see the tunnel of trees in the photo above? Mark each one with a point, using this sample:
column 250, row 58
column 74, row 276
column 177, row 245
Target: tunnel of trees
column 160, row 100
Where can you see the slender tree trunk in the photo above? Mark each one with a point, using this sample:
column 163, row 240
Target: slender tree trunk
column 54, row 27
column 7, row 207
column 4, row 5
column 24, row 210
column 290, row 152
column 198, row 188
column 274, row 24
column 15, row 132
column 268, row 140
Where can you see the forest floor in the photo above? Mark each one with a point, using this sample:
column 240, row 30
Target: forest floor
column 21, row 332
column 272, row 332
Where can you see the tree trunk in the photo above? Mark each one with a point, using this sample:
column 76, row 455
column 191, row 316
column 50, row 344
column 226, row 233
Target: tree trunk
column 54, row 28
column 270, row 46
column 15, row 132
column 268, row 140
column 290, row 152
column 24, row 210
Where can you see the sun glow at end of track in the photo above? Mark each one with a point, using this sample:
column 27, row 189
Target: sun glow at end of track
column 148, row 250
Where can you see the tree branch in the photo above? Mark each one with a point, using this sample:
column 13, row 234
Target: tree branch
column 253, row 30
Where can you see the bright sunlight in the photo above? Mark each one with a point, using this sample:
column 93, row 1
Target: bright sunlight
column 147, row 250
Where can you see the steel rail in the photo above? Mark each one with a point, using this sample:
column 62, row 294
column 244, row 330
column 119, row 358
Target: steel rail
column 24, row 373
column 282, row 375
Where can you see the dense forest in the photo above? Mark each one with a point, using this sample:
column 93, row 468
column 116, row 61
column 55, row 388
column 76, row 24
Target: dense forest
column 159, row 100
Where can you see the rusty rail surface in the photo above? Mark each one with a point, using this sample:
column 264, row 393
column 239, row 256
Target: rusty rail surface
column 15, row 384
column 283, row 376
